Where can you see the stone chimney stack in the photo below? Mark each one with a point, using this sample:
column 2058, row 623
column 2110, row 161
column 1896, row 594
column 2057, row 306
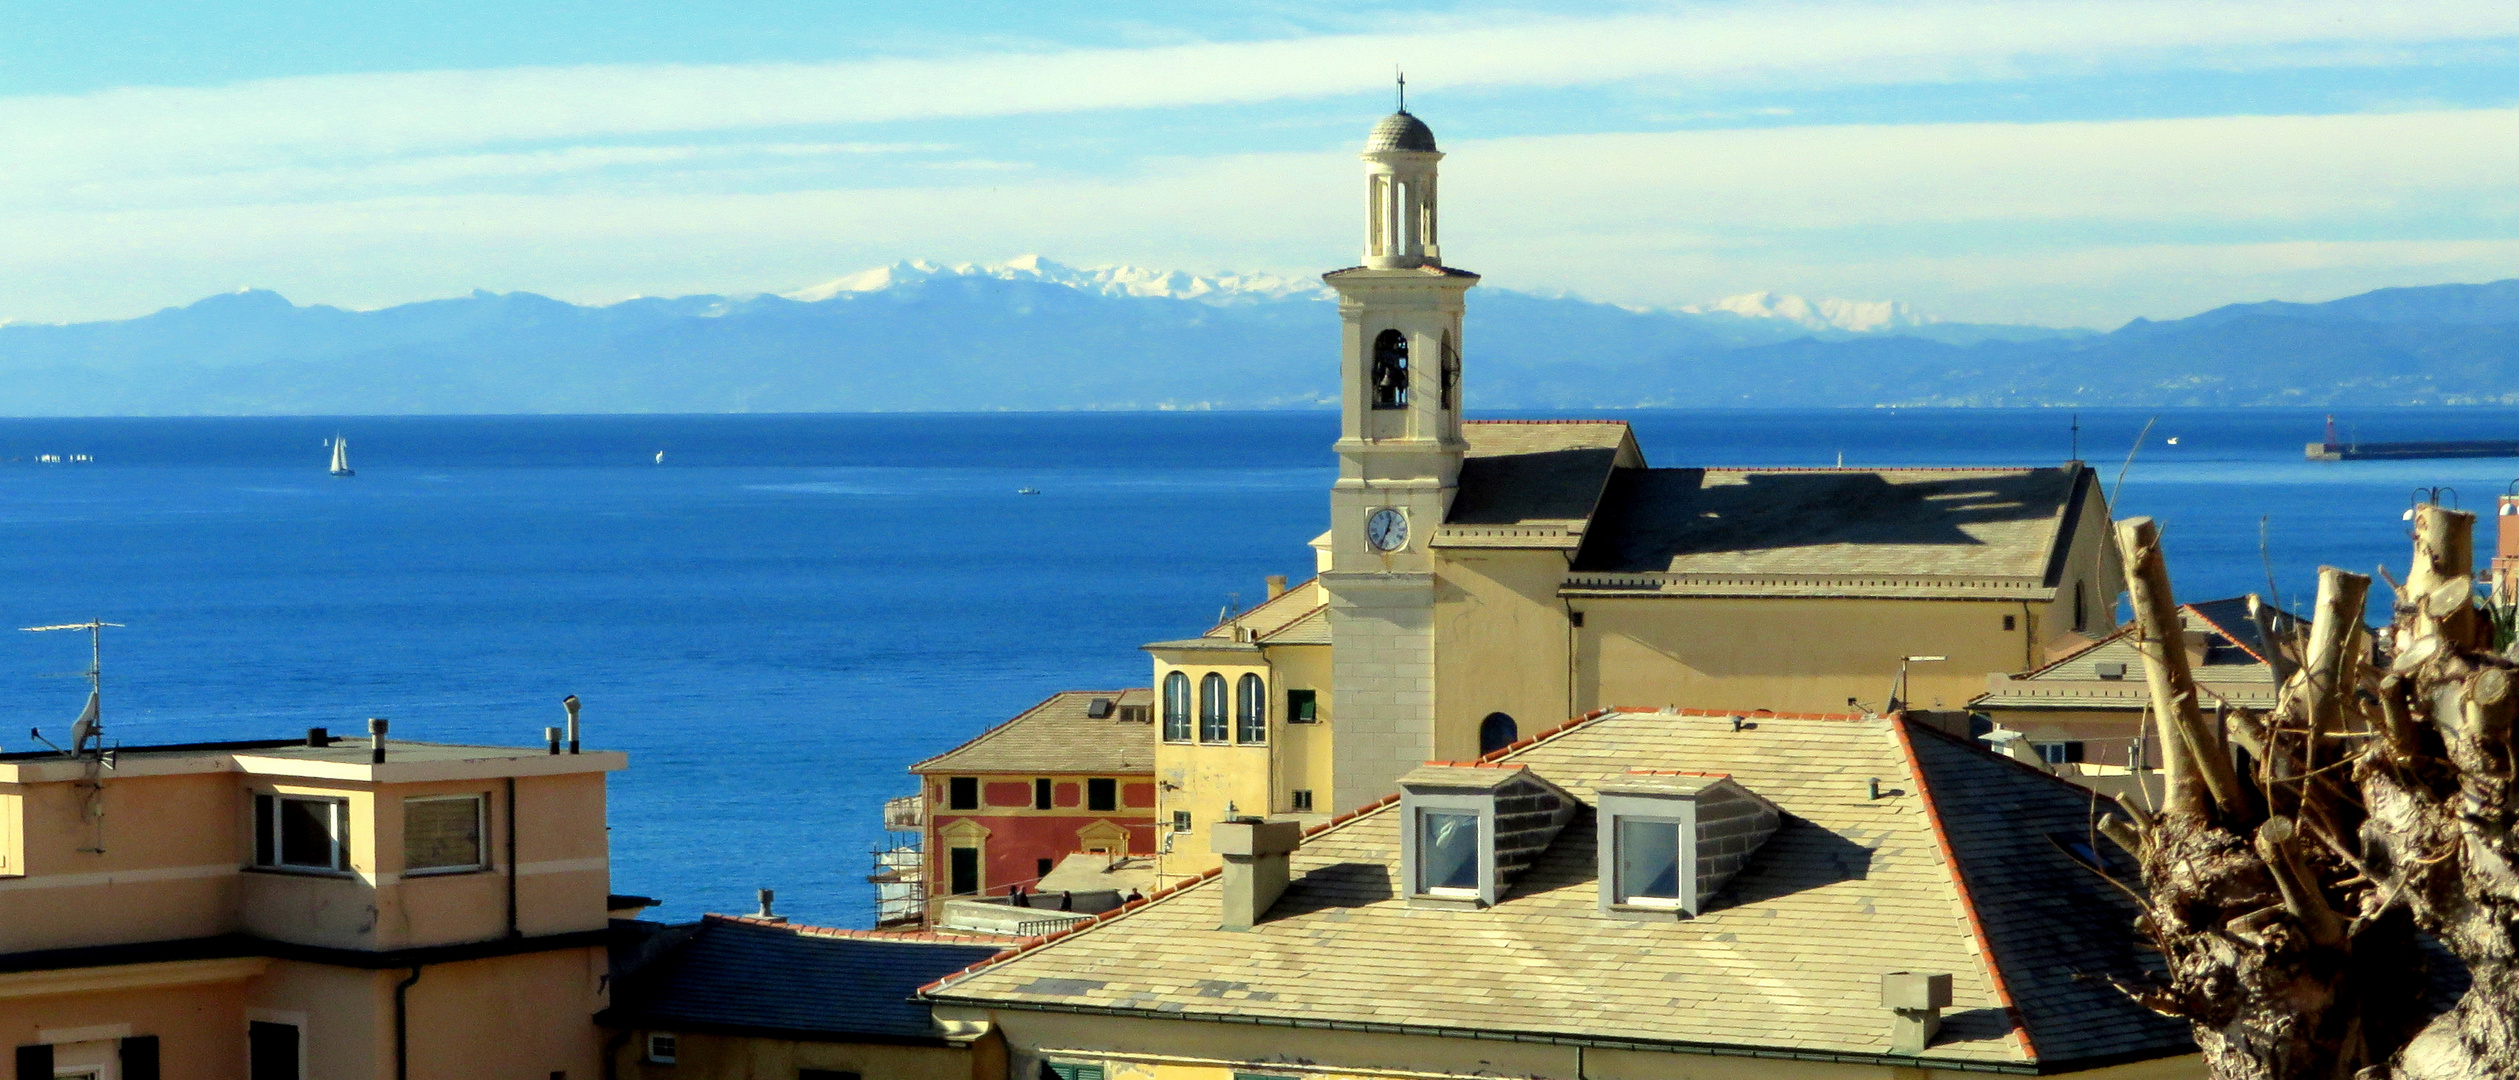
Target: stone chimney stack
column 1255, row 854
column 1276, row 586
column 1917, row 1000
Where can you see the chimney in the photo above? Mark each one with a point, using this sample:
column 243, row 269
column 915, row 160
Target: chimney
column 1277, row 582
column 767, row 895
column 376, row 741
column 551, row 737
column 1917, row 1000
column 1255, row 854
column 570, row 703
column 318, row 737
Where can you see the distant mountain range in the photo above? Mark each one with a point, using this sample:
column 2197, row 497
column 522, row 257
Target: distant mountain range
column 1033, row 334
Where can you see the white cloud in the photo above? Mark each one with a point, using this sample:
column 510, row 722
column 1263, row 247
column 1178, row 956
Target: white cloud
column 1804, row 45
column 2086, row 223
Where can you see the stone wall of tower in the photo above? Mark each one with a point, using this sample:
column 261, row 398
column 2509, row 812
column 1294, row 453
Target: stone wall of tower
column 1384, row 677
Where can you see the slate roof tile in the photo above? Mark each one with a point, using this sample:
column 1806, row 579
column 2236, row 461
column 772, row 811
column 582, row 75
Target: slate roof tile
column 736, row 974
column 1058, row 736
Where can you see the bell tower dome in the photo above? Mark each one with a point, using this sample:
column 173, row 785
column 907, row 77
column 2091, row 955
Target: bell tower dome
column 1399, row 450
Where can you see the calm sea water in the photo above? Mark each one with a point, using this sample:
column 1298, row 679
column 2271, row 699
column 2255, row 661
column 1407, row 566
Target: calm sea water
column 790, row 609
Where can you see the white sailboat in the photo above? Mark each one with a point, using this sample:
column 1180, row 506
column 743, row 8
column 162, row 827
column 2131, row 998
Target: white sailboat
column 660, row 457
column 341, row 457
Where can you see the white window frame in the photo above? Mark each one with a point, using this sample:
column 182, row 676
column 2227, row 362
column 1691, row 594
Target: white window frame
column 1619, row 894
column 339, row 828
column 1481, row 806
column 672, row 1043
column 480, row 836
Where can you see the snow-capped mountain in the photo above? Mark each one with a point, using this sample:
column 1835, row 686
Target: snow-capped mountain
column 1221, row 289
column 1851, row 316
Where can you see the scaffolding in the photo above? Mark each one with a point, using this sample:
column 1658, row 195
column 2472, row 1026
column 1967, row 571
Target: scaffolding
column 900, row 868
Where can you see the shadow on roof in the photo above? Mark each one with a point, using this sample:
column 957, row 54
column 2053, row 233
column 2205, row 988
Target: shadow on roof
column 1551, row 485
column 1654, row 516
column 1338, row 885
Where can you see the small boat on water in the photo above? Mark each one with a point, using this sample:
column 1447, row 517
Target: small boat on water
column 1027, row 491
column 660, row 457
column 341, row 457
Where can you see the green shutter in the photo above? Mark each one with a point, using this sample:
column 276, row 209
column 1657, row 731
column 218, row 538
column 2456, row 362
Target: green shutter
column 1069, row 1070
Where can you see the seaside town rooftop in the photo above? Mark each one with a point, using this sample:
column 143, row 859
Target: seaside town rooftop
column 1895, row 849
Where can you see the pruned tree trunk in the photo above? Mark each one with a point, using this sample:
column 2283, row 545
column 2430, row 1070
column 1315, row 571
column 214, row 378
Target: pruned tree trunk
column 2299, row 855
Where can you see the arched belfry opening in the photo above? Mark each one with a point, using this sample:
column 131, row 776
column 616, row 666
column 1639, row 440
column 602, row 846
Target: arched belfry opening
column 1451, row 374
column 1390, row 370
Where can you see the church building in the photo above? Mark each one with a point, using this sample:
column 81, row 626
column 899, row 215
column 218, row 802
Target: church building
column 1484, row 580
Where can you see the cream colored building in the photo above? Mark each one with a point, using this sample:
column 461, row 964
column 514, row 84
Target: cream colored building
column 250, row 911
column 1484, row 579
column 1636, row 896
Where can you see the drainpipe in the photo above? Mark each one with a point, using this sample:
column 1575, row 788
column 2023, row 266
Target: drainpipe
column 511, row 858
column 402, row 1025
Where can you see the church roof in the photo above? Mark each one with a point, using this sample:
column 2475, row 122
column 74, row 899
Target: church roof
column 1400, row 131
column 1534, row 483
column 1990, row 533
column 1061, row 735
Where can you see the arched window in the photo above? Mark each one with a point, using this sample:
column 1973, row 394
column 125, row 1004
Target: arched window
column 1250, row 710
column 1390, row 370
column 1495, row 733
column 1211, row 708
column 1451, row 374
column 1176, row 707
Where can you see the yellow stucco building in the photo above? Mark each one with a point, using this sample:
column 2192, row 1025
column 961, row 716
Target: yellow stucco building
column 1484, row 579
column 317, row 908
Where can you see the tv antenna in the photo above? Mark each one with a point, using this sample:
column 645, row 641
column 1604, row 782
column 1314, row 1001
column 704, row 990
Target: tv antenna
column 90, row 724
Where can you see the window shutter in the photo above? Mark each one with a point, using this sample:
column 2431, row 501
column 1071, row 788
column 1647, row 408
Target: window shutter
column 34, row 1062
column 139, row 1058
column 1068, row 1070
column 441, row 833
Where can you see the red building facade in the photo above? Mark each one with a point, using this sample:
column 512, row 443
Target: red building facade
column 1074, row 773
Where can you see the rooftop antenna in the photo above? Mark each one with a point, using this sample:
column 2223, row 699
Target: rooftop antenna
column 90, row 724
column 2077, row 438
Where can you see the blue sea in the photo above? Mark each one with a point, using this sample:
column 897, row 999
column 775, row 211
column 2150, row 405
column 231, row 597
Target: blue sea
column 790, row 609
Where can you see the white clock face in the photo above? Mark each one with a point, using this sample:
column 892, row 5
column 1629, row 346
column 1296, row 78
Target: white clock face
column 1386, row 530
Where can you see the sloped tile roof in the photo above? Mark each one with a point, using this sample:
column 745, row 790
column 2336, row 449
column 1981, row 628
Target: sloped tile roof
column 1056, row 736
column 1788, row 961
column 1533, row 483
column 2057, row 929
column 2230, row 670
column 742, row 975
column 1993, row 533
column 1274, row 614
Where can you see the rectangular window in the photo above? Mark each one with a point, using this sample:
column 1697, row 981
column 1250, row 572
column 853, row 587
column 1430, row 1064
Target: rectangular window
column 271, row 1051
column 1447, row 852
column 301, row 833
column 1648, row 862
column 1302, row 707
column 441, row 834
column 965, row 869
column 1041, row 868
column 1180, row 821
column 2059, row 753
column 962, row 793
column 661, row 1048
column 1102, row 794
column 1041, row 794
column 1302, row 798
column 2010, row 622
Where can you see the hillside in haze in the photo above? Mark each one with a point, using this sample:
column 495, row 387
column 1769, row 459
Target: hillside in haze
column 1035, row 335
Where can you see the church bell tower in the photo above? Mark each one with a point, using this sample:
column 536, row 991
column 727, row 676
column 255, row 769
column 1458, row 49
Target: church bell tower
column 1399, row 461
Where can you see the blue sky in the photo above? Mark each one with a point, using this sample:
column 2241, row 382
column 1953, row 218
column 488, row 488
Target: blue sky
column 2049, row 162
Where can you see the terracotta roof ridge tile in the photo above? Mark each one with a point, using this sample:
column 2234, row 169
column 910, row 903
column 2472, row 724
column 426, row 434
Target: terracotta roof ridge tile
column 2197, row 610
column 1620, row 423
column 2076, row 654
column 1679, row 772
column 1996, row 980
column 1859, row 468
